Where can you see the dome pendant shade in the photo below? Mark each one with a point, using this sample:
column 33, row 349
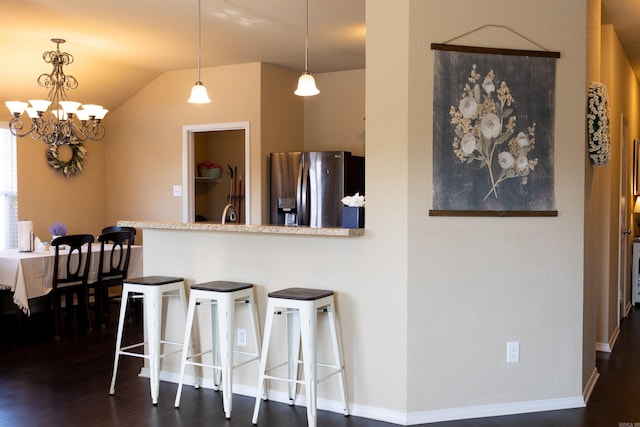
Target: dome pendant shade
column 198, row 91
column 306, row 82
column 199, row 94
column 306, row 85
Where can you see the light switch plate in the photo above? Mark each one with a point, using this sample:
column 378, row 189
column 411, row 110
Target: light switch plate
column 177, row 190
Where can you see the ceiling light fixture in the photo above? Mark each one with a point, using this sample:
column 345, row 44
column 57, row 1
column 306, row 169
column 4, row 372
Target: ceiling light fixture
column 306, row 82
column 199, row 91
column 53, row 120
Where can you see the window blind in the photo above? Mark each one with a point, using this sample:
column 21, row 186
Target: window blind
column 8, row 189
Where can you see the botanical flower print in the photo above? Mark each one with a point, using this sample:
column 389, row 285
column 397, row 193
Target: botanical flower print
column 485, row 125
column 493, row 133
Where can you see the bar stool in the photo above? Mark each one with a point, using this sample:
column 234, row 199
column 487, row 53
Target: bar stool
column 153, row 289
column 223, row 297
column 302, row 307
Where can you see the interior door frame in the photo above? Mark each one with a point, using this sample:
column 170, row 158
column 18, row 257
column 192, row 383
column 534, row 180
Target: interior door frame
column 188, row 167
column 624, row 291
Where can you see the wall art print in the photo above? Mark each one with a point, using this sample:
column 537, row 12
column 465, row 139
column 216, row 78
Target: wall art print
column 493, row 122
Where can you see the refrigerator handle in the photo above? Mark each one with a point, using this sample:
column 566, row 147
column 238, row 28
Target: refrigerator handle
column 302, row 204
column 299, row 193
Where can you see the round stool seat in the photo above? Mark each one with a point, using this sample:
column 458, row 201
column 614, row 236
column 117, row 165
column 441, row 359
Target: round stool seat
column 221, row 286
column 301, row 294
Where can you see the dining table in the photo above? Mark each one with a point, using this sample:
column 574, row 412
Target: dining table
column 29, row 274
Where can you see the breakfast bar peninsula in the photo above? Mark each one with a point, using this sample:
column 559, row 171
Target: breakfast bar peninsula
column 271, row 258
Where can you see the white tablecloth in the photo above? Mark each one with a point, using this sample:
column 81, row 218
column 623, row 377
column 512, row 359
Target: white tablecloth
column 29, row 274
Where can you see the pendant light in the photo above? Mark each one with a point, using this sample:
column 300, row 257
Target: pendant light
column 306, row 82
column 199, row 91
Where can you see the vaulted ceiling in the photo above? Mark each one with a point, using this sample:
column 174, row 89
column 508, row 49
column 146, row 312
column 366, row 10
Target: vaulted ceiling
column 121, row 45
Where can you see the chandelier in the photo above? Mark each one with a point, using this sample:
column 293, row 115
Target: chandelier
column 57, row 121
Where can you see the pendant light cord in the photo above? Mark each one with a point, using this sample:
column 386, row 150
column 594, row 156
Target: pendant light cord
column 306, row 43
column 199, row 37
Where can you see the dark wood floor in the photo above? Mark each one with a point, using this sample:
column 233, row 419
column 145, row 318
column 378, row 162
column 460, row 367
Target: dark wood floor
column 65, row 383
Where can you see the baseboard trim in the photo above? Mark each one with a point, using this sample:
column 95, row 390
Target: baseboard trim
column 411, row 418
column 590, row 385
column 483, row 411
column 608, row 347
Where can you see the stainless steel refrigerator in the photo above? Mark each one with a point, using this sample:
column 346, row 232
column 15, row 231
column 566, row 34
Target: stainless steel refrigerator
column 306, row 188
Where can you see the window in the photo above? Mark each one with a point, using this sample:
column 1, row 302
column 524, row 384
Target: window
column 8, row 189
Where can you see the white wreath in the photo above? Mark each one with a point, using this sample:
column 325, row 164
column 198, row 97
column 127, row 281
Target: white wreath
column 598, row 124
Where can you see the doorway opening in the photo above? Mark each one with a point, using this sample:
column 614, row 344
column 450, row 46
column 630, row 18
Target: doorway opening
column 624, row 245
column 206, row 198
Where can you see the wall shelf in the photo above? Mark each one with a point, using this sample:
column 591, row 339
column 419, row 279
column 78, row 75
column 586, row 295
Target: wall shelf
column 205, row 179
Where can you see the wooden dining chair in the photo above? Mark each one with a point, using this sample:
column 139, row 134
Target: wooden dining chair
column 111, row 228
column 71, row 276
column 112, row 269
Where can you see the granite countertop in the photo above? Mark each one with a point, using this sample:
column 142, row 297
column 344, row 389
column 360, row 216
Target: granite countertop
column 245, row 228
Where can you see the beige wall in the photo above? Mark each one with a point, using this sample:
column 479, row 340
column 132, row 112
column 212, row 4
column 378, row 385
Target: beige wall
column 322, row 130
column 476, row 283
column 622, row 87
column 145, row 135
column 446, row 294
column 593, row 261
column 47, row 197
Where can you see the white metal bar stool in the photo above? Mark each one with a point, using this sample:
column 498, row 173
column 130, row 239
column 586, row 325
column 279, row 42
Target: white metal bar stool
column 152, row 289
column 302, row 307
column 223, row 297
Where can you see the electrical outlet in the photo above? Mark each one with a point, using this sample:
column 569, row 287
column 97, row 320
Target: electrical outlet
column 513, row 352
column 177, row 190
column 242, row 338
